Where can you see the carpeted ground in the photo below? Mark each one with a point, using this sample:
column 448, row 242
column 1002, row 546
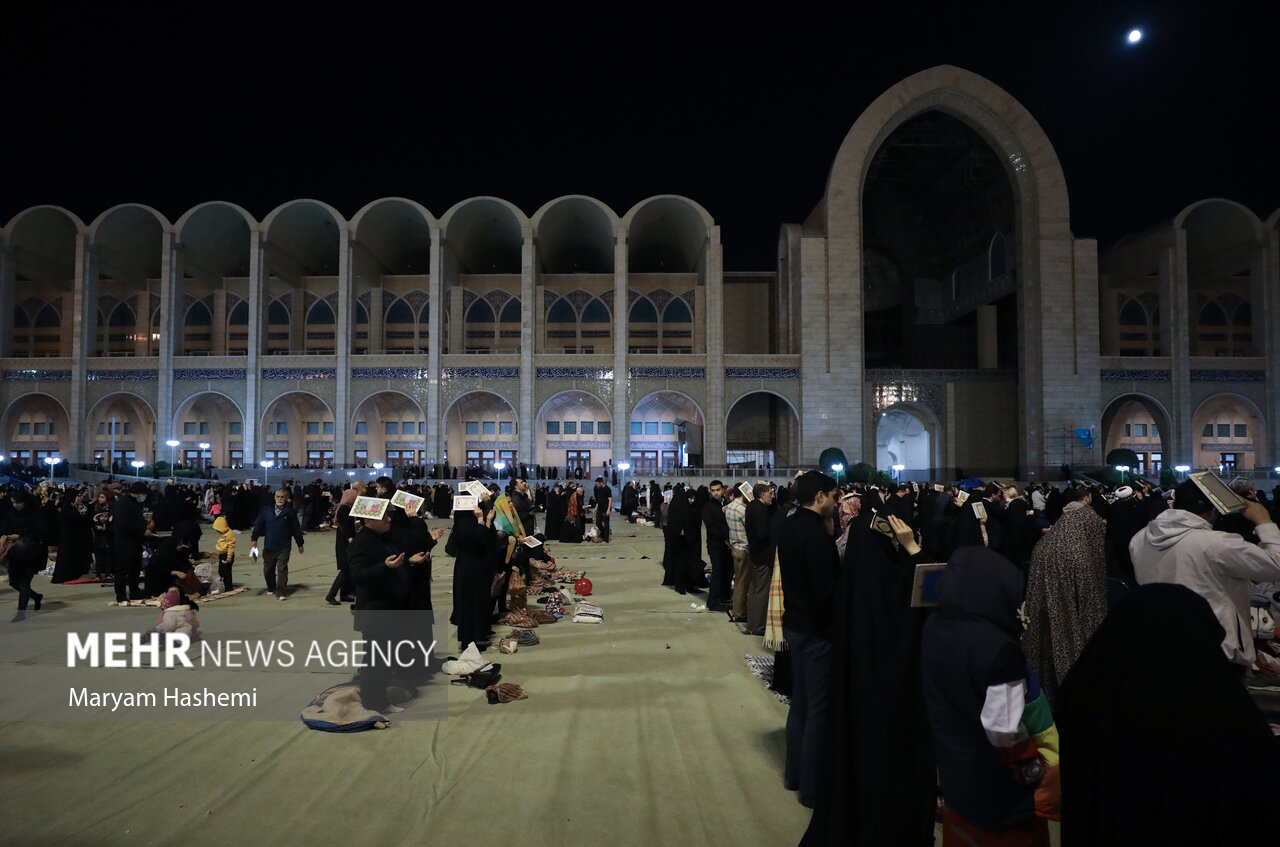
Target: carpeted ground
column 646, row 730
column 649, row 729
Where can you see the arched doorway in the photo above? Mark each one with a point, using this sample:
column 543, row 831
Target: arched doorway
column 298, row 431
column 206, row 418
column 762, row 429
column 907, row 436
column 1229, row 436
column 1138, row 423
column 481, row 430
column 121, row 429
column 666, row 433
column 35, row 427
column 575, row 431
column 390, row 428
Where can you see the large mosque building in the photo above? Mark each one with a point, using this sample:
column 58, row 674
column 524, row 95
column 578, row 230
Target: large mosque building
column 934, row 311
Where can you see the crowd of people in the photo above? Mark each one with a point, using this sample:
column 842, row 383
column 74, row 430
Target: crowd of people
column 1120, row 623
column 1053, row 600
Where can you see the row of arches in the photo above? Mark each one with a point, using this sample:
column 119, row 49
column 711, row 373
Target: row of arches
column 1228, row 434
column 572, row 428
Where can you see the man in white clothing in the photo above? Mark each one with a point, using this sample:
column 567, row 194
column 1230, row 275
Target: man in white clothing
column 1180, row 546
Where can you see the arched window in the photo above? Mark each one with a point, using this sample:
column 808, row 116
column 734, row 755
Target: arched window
column 47, row 317
column 643, row 312
column 399, row 313
column 677, row 312
column 997, row 256
column 1211, row 314
column 511, row 312
column 480, row 313
column 561, row 312
column 362, row 314
column 21, row 320
column 321, row 313
column 239, row 315
column 1243, row 316
column 277, row 314
column 1132, row 314
column 122, row 315
column 596, row 313
column 197, row 315
column 425, row 315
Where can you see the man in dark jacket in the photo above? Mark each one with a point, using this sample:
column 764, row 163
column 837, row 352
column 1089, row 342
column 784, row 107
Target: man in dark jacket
column 720, row 597
column 810, row 567
column 758, row 520
column 278, row 526
column 522, row 501
column 129, row 526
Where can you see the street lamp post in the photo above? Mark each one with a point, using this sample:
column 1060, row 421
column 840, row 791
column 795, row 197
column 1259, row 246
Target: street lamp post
column 204, row 462
column 51, row 461
column 897, row 472
column 623, row 467
column 1182, row 469
column 1123, row 469
column 172, row 442
column 499, row 467
column 266, row 464
column 137, row 466
column 838, row 470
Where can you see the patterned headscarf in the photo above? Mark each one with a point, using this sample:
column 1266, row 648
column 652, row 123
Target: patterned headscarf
column 848, row 509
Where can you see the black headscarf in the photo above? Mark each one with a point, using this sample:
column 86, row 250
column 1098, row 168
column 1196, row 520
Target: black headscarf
column 1161, row 744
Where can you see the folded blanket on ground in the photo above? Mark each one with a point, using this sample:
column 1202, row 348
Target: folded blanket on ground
column 588, row 613
column 469, row 661
column 339, row 709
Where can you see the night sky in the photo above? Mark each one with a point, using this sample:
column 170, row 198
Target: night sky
column 742, row 111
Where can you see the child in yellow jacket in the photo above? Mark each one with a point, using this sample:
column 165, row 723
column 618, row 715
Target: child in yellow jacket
column 226, row 548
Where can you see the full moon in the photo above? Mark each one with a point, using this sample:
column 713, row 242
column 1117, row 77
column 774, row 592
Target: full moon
column 1135, row 35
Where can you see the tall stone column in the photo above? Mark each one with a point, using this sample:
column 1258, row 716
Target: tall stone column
column 621, row 438
column 342, row 450
column 298, row 322
column 1266, row 317
column 528, row 270
column 377, row 317
column 170, row 274
column 713, row 432
column 83, row 321
column 257, row 315
column 219, row 337
column 1175, row 331
column 435, row 320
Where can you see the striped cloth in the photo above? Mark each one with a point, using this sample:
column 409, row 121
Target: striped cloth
column 773, row 637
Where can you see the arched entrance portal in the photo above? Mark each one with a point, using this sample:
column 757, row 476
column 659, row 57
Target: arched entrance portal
column 390, row 428
column 762, row 429
column 481, row 430
column 35, row 427
column 666, row 433
column 908, row 437
column 1228, row 436
column 121, row 429
column 574, row 432
column 207, row 418
column 1138, row 423
column 298, row 431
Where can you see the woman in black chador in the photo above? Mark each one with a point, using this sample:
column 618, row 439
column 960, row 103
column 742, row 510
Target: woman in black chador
column 23, row 525
column 471, row 545
column 677, row 553
column 75, row 538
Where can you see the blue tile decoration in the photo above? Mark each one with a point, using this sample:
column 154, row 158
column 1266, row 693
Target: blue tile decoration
column 37, row 375
column 239, row 374
column 390, row 373
column 1232, row 375
column 661, row 372
column 123, row 375
column 761, row 373
column 299, row 373
column 481, row 373
column 573, row 373
column 1133, row 375
column 579, row 445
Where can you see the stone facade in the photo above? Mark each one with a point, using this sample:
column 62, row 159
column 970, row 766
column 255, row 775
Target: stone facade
column 575, row 331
